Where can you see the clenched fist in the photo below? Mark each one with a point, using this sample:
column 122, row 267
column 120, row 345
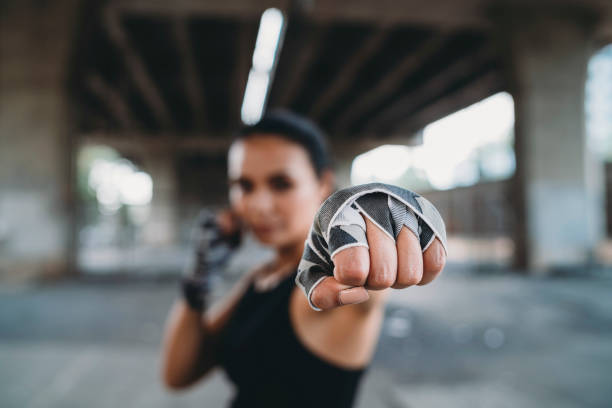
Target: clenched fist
column 373, row 236
column 216, row 237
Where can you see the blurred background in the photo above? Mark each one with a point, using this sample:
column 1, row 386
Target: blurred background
column 115, row 117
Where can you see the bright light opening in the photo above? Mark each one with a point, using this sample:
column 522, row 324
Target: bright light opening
column 264, row 58
column 118, row 182
column 598, row 103
column 471, row 145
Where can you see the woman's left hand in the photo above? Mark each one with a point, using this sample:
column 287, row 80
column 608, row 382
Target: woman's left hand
column 370, row 237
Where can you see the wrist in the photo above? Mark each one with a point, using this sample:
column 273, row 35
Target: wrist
column 195, row 293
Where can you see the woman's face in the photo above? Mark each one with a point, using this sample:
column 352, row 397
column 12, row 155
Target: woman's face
column 274, row 188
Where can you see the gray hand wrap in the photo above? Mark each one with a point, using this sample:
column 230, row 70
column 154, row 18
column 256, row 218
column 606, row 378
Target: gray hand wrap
column 212, row 252
column 339, row 225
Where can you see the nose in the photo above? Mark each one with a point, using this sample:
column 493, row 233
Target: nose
column 260, row 203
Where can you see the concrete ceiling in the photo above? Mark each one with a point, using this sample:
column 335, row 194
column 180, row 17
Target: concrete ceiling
column 370, row 69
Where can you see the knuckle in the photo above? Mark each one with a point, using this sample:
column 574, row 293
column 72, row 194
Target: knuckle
column 428, row 278
column 351, row 273
column 414, row 279
column 382, row 276
column 351, row 276
column 319, row 299
column 435, row 259
column 411, row 272
column 415, row 274
column 410, row 279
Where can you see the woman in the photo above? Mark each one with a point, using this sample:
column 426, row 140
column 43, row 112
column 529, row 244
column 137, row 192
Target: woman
column 279, row 347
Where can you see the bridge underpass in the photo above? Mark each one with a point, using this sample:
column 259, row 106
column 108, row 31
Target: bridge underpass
column 162, row 83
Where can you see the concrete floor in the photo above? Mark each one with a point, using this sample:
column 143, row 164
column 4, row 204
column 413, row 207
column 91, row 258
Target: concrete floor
column 485, row 340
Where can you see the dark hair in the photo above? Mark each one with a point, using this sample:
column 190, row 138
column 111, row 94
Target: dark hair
column 297, row 129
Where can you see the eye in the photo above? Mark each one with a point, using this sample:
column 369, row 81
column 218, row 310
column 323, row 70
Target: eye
column 245, row 185
column 280, row 183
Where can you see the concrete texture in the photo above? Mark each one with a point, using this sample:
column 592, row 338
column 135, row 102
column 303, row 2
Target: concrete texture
column 34, row 138
column 560, row 179
column 465, row 341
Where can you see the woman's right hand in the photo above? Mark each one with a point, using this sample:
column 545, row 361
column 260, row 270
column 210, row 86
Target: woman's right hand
column 216, row 237
column 192, row 338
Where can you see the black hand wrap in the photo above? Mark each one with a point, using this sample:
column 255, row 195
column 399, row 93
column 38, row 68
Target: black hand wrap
column 339, row 225
column 212, row 251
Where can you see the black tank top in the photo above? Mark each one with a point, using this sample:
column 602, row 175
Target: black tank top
column 270, row 366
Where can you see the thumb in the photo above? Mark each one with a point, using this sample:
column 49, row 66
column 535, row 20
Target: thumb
column 330, row 293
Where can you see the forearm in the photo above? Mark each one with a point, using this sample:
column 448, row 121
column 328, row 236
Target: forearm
column 188, row 349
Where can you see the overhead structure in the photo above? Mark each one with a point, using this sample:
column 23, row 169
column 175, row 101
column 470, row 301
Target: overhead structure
column 155, row 77
column 184, row 67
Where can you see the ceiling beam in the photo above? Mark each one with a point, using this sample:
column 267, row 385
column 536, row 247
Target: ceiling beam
column 190, row 76
column 136, row 68
column 190, row 8
column 482, row 87
column 113, row 101
column 346, row 76
column 433, row 87
column 389, row 82
column 92, row 118
column 245, row 43
column 432, row 13
column 296, row 71
column 135, row 142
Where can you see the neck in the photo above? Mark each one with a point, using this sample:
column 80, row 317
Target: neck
column 289, row 256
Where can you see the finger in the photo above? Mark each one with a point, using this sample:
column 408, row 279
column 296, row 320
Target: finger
column 228, row 222
column 409, row 259
column 434, row 259
column 352, row 265
column 330, row 294
column 383, row 258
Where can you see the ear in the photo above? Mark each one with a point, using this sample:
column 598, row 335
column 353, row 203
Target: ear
column 327, row 183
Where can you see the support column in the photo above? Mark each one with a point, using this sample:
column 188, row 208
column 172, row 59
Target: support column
column 161, row 227
column 35, row 147
column 559, row 182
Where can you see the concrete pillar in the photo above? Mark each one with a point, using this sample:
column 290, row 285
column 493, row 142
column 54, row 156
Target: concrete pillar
column 161, row 229
column 35, row 164
column 559, row 182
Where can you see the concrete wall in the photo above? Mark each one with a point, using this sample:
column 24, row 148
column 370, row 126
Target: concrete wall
column 482, row 210
column 558, row 187
column 34, row 138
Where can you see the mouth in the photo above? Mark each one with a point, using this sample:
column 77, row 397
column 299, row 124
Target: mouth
column 264, row 229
